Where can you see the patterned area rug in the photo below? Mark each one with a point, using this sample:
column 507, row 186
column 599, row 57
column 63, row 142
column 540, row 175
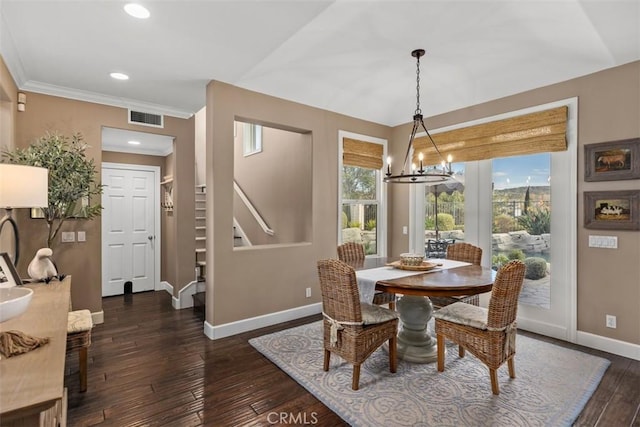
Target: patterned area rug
column 551, row 387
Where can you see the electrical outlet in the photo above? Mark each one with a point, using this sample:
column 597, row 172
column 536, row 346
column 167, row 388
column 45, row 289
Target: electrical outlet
column 82, row 236
column 611, row 321
column 308, row 293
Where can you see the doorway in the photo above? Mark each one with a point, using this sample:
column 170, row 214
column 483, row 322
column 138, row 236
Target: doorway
column 130, row 228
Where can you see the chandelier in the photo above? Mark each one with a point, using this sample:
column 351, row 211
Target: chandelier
column 419, row 174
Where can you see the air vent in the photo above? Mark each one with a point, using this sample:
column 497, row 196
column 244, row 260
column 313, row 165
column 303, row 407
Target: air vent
column 146, row 119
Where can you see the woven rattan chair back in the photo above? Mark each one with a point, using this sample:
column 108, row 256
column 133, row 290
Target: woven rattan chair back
column 344, row 331
column 464, row 252
column 494, row 344
column 339, row 288
column 503, row 305
column 351, row 251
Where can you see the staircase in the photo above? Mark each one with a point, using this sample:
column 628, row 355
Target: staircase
column 201, row 249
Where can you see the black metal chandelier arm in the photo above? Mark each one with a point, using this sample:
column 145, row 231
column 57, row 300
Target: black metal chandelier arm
column 406, row 164
column 431, row 139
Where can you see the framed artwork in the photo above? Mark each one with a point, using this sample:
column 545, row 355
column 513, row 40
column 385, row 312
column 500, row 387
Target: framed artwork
column 612, row 210
column 84, row 202
column 612, row 161
column 8, row 274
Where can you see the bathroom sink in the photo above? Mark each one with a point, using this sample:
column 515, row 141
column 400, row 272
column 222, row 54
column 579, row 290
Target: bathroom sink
column 14, row 301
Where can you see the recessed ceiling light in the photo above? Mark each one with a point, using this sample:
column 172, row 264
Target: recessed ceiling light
column 137, row 10
column 119, row 76
column 134, row 142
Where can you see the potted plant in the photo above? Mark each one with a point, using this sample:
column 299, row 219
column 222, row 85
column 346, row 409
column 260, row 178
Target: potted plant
column 72, row 178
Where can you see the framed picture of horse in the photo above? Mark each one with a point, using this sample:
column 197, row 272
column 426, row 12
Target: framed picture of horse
column 612, row 210
column 612, row 161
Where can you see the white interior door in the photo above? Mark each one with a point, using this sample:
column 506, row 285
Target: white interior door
column 129, row 228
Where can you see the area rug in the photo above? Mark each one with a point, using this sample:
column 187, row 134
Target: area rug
column 551, row 387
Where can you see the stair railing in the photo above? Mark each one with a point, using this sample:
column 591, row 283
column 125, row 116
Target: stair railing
column 252, row 209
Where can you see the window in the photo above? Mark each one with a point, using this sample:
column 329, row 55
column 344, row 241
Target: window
column 251, row 138
column 361, row 214
column 522, row 221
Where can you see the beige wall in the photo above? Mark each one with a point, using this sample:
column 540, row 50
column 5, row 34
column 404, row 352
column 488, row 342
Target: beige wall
column 258, row 281
column 8, row 111
column 83, row 260
column 608, row 110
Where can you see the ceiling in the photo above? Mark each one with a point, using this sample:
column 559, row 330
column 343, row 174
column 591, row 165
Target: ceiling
column 351, row 57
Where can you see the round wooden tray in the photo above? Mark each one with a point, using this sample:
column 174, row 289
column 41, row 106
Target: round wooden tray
column 426, row 266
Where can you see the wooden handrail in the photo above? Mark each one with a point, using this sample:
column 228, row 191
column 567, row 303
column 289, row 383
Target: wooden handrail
column 252, row 209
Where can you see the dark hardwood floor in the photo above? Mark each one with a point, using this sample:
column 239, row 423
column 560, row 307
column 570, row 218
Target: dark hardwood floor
column 151, row 365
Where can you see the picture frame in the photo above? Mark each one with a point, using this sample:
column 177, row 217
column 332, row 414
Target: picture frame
column 38, row 213
column 612, row 161
column 8, row 274
column 612, row 210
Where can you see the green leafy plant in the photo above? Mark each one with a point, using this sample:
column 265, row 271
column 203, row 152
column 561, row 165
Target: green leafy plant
column 345, row 220
column 355, row 224
column 536, row 221
column 370, row 225
column 498, row 261
column 536, row 268
column 445, row 222
column 503, row 223
column 516, row 254
column 72, row 178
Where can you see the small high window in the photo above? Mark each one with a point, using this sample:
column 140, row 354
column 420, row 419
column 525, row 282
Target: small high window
column 252, row 138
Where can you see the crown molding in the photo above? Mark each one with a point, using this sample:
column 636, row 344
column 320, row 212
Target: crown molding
column 97, row 98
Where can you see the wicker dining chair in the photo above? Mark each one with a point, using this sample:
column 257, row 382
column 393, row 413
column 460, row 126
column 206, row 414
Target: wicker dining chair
column 464, row 252
column 488, row 333
column 353, row 253
column 352, row 330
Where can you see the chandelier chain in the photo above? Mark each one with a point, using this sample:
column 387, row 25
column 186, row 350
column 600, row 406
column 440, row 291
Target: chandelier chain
column 418, row 110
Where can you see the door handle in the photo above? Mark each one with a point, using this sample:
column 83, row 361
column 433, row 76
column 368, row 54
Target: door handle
column 150, row 238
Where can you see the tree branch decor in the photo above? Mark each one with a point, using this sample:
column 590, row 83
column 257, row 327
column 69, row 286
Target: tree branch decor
column 72, row 178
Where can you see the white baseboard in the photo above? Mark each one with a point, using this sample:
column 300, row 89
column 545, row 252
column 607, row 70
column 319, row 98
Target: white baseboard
column 542, row 328
column 97, row 317
column 621, row 348
column 244, row 325
column 185, row 295
column 166, row 286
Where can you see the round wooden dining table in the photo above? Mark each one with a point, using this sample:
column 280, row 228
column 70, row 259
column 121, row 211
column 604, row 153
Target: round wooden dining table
column 415, row 342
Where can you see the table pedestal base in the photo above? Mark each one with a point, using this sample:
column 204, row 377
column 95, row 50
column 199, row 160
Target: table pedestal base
column 415, row 344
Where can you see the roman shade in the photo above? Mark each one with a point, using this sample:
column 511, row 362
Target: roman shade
column 362, row 154
column 543, row 131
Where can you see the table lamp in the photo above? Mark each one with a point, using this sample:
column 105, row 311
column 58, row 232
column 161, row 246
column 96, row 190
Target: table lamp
column 21, row 186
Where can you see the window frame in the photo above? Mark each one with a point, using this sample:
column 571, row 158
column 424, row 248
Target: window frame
column 381, row 193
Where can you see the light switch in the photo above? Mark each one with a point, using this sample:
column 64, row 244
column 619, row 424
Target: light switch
column 82, row 236
column 68, row 236
column 405, row 230
column 607, row 242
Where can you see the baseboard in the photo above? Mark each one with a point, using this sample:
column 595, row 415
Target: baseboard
column 166, row 286
column 97, row 317
column 233, row 328
column 621, row 348
column 542, row 328
column 185, row 296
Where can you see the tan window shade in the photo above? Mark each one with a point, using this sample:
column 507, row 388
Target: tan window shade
column 362, row 154
column 544, row 131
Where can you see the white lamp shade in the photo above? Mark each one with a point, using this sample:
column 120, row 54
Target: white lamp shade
column 23, row 186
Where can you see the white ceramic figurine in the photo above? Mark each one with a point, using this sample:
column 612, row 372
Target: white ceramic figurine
column 41, row 267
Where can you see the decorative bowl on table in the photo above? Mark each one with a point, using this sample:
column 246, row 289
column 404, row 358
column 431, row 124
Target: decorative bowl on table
column 14, row 301
column 411, row 259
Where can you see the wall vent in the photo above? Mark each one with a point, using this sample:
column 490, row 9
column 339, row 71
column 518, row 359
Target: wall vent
column 146, row 119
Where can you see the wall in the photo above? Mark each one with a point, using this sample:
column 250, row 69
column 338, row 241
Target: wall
column 608, row 110
column 8, row 112
column 83, row 260
column 267, row 279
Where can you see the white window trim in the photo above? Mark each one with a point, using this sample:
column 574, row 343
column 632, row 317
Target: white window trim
column 381, row 191
column 256, row 143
